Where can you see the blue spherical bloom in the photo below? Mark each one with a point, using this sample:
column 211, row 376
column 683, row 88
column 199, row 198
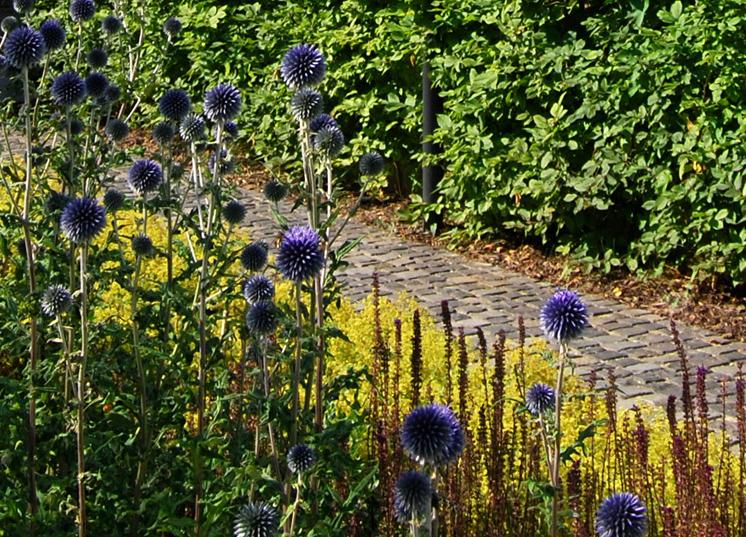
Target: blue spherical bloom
column 300, row 256
column 329, row 141
column 256, row 520
column 234, row 212
column 145, row 176
column 622, row 515
column 53, row 34
column 68, row 89
column 275, row 191
column 117, row 130
column 9, row 24
column 82, row 219
column 262, row 317
column 301, row 458
column 303, row 65
column 257, row 288
column 172, row 27
column 96, row 84
column 175, row 104
column 231, row 129
column 564, row 316
column 222, row 103
column 540, row 398
column 307, row 103
column 111, row 24
column 82, row 10
column 321, row 121
column 192, row 127
column 254, row 256
column 56, row 203
column 24, row 47
column 112, row 93
column 113, row 200
column 23, row 6
column 76, row 126
column 413, row 495
column 432, row 434
column 142, row 245
column 371, row 163
column 97, row 58
column 55, row 300
column 163, row 133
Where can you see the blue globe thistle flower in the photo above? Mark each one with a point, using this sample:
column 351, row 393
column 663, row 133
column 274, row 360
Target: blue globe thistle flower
column 56, row 202
column 117, row 130
column 68, row 89
column 321, row 121
column 371, row 163
column 192, row 127
column 622, row 515
column 256, row 520
column 82, row 10
column 275, row 191
column 53, row 33
column 111, row 24
column 76, row 126
column 145, row 176
column 301, row 458
column 82, row 219
column 9, row 24
column 234, row 212
column 113, row 200
column 564, row 316
column 307, row 103
column 222, row 103
column 432, row 434
column 254, row 256
column 231, row 129
column 24, row 47
column 96, row 84
column 172, row 27
column 303, row 65
column 112, row 93
column 257, row 288
column 329, row 141
column 23, row 6
column 261, row 318
column 227, row 165
column 97, row 58
column 300, row 256
column 540, row 399
column 413, row 495
column 175, row 104
column 163, row 133
column 56, row 300
column 142, row 245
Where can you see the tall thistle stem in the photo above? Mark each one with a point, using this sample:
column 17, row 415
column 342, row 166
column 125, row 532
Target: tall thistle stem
column 556, row 453
column 297, row 364
column 80, row 432
column 265, row 383
column 296, row 504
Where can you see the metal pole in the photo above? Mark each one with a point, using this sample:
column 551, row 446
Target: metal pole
column 431, row 172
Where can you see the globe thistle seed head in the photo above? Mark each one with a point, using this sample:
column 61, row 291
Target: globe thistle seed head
column 145, row 176
column 9, row 24
column 56, row 203
column 82, row 10
column 112, row 93
column 175, row 104
column 307, row 103
column 413, row 495
column 321, row 121
column 163, row 133
column 261, row 319
column 231, row 129
column 303, row 65
column 76, row 126
column 117, row 130
column 142, row 245
column 68, row 89
column 300, row 257
column 111, row 24
column 227, row 165
column 172, row 27
column 53, row 33
column 234, row 212
column 256, row 520
column 301, row 458
column 540, row 399
column 96, row 84
column 23, row 6
column 222, row 103
column 258, row 288
column 24, row 47
column 254, row 256
column 97, row 58
column 82, row 219
column 113, row 200
column 432, row 434
column 622, row 515
column 275, row 191
column 371, row 163
column 329, row 141
column 192, row 128
column 563, row 316
column 55, row 300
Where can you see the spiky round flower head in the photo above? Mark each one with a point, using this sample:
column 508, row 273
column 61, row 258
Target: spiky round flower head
column 329, row 141
column 142, row 245
column 82, row 10
column 275, row 191
column 175, row 104
column 300, row 256
column 540, row 399
column 24, row 47
column 192, row 127
column 234, row 212
column 172, row 27
column 564, row 316
column 231, row 129
column 222, row 103
column 53, row 33
column 371, row 163
column 145, row 176
column 97, row 58
column 56, row 203
column 301, row 458
column 68, row 89
column 321, row 121
column 117, row 130
column 256, row 520
column 112, row 93
column 56, row 300
column 257, row 288
column 303, row 65
column 82, row 219
column 113, row 200
column 622, row 515
column 23, row 6
column 227, row 165
column 307, row 103
column 111, row 24
column 432, row 434
column 96, row 84
column 413, row 495
column 262, row 317
column 9, row 24
column 76, row 126
column 163, row 133
column 254, row 256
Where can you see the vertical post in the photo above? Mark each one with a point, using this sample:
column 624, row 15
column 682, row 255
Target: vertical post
column 431, row 107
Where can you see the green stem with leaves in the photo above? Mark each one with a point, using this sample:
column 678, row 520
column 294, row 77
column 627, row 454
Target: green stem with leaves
column 80, row 431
